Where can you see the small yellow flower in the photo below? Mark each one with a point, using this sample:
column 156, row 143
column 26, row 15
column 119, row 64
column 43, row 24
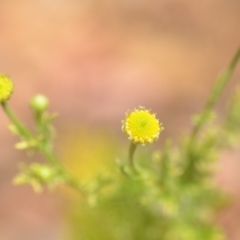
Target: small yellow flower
column 6, row 88
column 141, row 126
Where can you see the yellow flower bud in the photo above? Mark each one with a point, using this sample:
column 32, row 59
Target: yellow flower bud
column 6, row 88
column 141, row 126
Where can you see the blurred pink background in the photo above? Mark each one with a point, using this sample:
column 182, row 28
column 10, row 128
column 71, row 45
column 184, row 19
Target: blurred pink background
column 97, row 59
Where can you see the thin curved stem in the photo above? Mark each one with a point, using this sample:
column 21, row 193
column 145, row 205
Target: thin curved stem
column 216, row 92
column 23, row 129
column 131, row 152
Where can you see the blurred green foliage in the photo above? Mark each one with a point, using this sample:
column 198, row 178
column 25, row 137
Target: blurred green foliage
column 166, row 195
column 162, row 201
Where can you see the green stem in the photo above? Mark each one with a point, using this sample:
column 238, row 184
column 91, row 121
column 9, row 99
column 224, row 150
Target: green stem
column 23, row 129
column 216, row 92
column 69, row 179
column 131, row 152
column 74, row 183
column 50, row 156
column 44, row 149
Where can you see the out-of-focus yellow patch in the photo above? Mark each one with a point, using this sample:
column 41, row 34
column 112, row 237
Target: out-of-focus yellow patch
column 87, row 152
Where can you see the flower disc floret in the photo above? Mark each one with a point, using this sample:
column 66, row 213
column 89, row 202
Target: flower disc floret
column 6, row 88
column 141, row 126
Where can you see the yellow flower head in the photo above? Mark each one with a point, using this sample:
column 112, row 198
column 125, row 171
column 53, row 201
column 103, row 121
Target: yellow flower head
column 141, row 126
column 6, row 88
